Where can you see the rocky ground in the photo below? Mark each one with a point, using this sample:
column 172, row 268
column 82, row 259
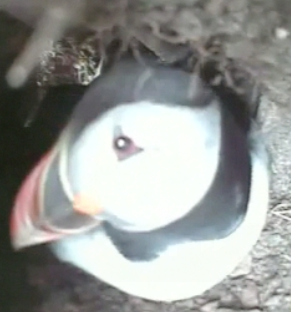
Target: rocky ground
column 260, row 34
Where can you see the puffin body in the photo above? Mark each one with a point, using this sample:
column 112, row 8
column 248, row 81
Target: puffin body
column 156, row 186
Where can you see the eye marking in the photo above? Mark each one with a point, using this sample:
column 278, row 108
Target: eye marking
column 124, row 147
column 122, row 143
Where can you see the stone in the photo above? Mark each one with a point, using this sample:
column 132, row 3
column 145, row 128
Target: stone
column 249, row 296
column 243, row 268
column 209, row 306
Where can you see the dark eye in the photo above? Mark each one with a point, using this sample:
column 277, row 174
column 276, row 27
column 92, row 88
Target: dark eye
column 124, row 147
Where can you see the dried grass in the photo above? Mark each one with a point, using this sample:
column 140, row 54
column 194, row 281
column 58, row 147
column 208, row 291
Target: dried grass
column 133, row 22
column 283, row 211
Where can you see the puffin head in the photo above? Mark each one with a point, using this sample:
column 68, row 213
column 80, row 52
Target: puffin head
column 140, row 162
column 142, row 148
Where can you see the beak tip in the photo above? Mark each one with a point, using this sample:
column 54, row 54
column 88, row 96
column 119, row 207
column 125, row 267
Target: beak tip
column 24, row 234
column 31, row 239
column 21, row 239
column 16, row 246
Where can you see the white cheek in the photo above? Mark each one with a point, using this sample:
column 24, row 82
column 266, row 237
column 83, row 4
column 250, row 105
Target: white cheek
column 89, row 162
column 155, row 188
column 159, row 185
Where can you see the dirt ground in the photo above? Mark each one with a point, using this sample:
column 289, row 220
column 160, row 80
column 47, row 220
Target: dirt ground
column 260, row 34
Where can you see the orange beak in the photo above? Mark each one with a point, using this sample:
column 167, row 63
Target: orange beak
column 43, row 211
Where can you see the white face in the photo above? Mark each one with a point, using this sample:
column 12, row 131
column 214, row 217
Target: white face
column 147, row 164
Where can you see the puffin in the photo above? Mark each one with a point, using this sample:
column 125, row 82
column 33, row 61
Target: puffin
column 158, row 185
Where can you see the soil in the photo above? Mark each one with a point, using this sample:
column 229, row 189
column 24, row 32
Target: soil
column 259, row 33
